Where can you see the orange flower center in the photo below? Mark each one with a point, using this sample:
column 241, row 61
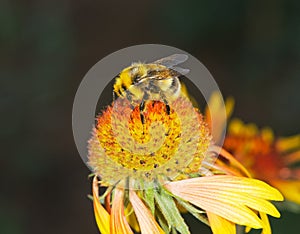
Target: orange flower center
column 166, row 143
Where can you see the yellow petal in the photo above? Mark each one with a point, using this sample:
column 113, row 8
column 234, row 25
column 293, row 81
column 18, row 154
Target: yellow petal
column 217, row 113
column 229, row 105
column 230, row 197
column 131, row 218
column 247, row 229
column 290, row 189
column 288, row 143
column 292, row 158
column 251, row 129
column 265, row 219
column 236, row 213
column 232, row 160
column 235, row 184
column 118, row 220
column 267, row 134
column 238, row 127
column 185, row 92
column 101, row 215
column 220, row 225
column 266, row 224
column 146, row 220
column 247, row 200
column 235, row 127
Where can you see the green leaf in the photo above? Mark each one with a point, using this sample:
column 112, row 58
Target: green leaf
column 170, row 211
column 149, row 199
column 162, row 221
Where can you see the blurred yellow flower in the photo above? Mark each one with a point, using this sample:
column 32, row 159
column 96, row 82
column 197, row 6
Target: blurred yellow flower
column 152, row 169
column 272, row 159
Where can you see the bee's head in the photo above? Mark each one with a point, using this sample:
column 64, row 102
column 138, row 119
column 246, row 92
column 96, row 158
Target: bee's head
column 128, row 77
column 138, row 72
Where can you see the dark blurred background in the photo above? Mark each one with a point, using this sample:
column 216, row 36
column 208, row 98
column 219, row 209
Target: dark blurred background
column 46, row 47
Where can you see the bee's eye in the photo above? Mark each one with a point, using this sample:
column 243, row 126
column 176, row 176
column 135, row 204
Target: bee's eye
column 136, row 78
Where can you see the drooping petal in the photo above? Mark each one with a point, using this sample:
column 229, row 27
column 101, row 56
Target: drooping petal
column 233, row 162
column 247, row 229
column 220, row 225
column 219, row 112
column 101, row 215
column 146, row 220
column 230, row 197
column 118, row 220
column 265, row 222
column 131, row 218
column 266, row 227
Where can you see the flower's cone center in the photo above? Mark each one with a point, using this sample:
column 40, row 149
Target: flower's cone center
column 143, row 145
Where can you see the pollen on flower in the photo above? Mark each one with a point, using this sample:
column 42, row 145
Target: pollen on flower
column 165, row 145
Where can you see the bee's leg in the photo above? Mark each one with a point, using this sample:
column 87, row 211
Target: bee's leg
column 142, row 108
column 168, row 109
column 129, row 98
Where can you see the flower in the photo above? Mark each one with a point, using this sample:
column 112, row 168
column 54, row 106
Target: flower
column 274, row 160
column 267, row 158
column 151, row 169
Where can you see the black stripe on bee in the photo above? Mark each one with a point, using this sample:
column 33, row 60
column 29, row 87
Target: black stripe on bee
column 174, row 82
column 118, row 93
column 181, row 77
column 124, row 87
column 142, row 106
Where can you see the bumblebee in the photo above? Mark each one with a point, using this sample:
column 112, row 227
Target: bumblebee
column 159, row 80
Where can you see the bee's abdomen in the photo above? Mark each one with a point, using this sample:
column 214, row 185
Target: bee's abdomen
column 165, row 84
column 174, row 88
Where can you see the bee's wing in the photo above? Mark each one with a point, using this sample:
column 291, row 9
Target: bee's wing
column 172, row 60
column 182, row 71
